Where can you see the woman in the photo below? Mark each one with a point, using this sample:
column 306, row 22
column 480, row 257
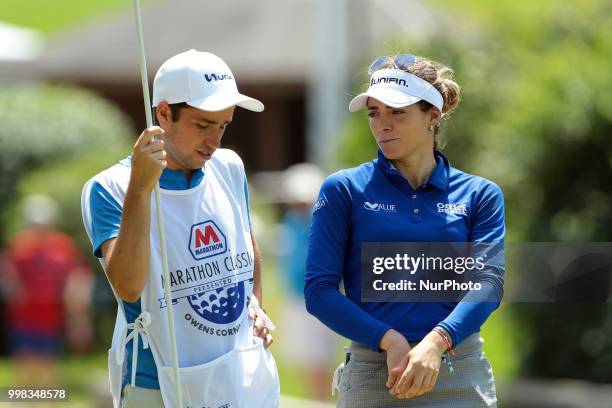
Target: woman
column 409, row 194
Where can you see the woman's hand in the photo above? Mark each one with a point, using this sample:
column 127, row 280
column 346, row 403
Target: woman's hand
column 423, row 367
column 397, row 348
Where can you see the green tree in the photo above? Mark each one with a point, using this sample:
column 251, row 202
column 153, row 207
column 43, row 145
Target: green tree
column 45, row 125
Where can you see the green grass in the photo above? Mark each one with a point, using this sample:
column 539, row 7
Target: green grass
column 81, row 376
column 50, row 17
column 501, row 343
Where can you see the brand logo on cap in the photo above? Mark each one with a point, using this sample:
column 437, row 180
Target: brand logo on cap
column 388, row 80
column 217, row 77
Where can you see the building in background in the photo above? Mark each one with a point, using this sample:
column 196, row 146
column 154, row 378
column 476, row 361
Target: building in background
column 276, row 48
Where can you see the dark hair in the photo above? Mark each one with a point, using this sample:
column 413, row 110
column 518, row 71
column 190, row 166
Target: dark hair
column 175, row 109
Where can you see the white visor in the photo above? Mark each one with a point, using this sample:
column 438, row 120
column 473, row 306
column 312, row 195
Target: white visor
column 397, row 88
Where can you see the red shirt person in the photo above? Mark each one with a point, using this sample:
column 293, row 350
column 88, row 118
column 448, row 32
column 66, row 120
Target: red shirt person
column 48, row 285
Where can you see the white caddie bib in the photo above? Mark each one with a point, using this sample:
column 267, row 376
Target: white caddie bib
column 210, row 260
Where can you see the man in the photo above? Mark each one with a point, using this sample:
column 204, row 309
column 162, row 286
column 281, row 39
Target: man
column 48, row 286
column 214, row 261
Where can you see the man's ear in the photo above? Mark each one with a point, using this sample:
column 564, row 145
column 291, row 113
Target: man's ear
column 163, row 113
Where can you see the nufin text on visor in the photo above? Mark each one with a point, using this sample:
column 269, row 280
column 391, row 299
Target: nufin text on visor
column 397, row 88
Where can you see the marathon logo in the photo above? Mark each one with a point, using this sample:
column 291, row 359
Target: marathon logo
column 217, row 77
column 206, row 240
column 388, row 80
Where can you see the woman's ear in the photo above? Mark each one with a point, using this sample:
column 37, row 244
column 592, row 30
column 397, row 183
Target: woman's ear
column 435, row 116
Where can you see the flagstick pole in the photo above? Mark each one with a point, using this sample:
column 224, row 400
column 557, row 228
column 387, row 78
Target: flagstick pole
column 160, row 224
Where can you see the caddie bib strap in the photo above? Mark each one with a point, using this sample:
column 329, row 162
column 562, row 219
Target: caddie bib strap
column 138, row 330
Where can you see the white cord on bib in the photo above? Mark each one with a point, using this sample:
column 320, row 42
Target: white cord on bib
column 139, row 330
column 337, row 378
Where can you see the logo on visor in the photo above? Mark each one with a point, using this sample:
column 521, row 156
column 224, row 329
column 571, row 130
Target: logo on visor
column 388, row 80
column 217, row 77
column 206, row 240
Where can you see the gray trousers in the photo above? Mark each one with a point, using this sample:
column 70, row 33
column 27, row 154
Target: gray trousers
column 138, row 397
column 470, row 385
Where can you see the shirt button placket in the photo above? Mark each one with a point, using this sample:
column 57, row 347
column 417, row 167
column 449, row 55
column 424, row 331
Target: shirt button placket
column 416, row 209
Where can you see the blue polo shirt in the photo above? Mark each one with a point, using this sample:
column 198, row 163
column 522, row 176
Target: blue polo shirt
column 106, row 219
column 341, row 222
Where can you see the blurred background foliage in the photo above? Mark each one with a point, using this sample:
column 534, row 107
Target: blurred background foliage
column 536, row 113
column 536, row 118
column 50, row 139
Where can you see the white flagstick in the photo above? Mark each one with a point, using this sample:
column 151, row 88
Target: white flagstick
column 160, row 224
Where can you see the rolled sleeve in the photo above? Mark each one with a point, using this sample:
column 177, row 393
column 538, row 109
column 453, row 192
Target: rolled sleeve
column 105, row 217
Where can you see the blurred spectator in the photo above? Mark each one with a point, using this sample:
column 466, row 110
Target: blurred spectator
column 305, row 341
column 48, row 287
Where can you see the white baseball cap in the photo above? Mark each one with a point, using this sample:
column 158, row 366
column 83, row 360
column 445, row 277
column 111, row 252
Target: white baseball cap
column 40, row 209
column 397, row 88
column 301, row 183
column 201, row 80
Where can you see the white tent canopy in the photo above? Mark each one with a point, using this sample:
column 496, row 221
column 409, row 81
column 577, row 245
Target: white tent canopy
column 19, row 44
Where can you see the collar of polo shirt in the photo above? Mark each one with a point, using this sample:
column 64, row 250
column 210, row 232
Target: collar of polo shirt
column 439, row 178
